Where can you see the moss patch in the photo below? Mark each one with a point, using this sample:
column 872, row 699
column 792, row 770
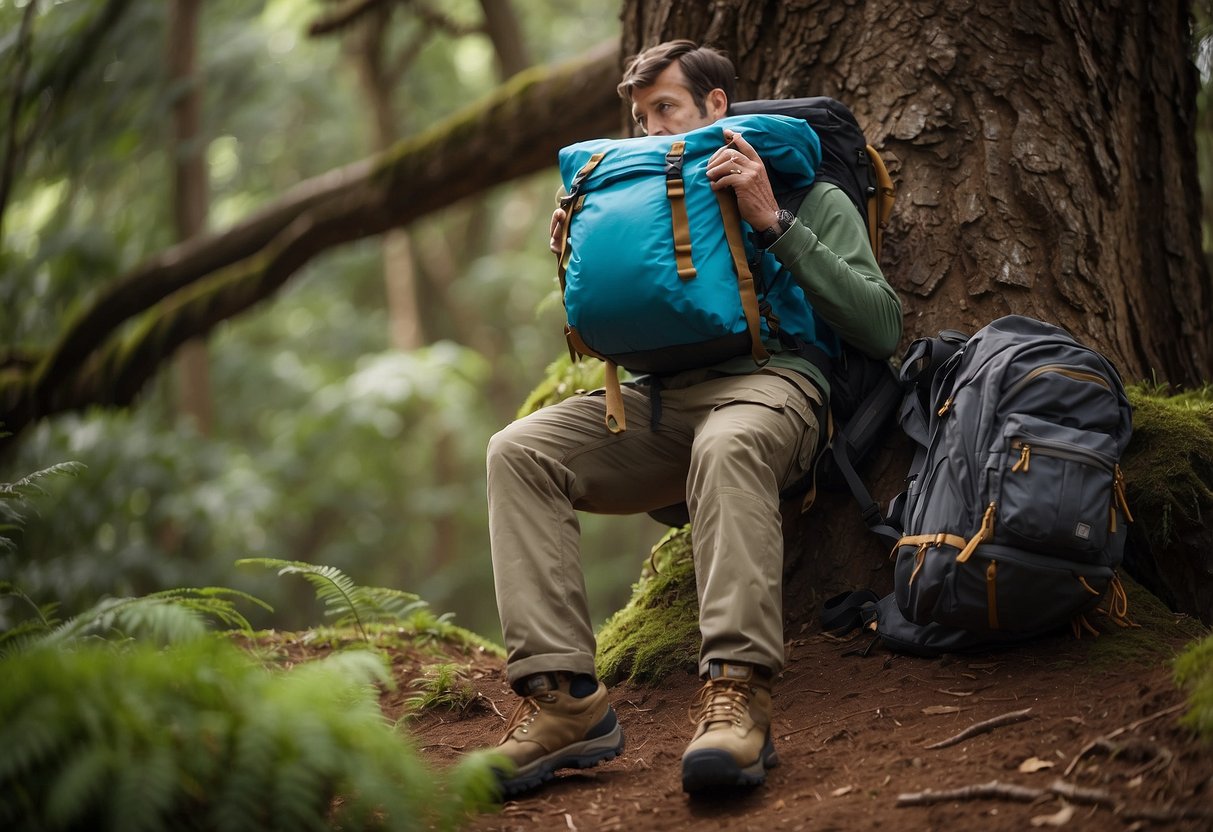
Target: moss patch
column 1155, row 637
column 1169, row 464
column 658, row 631
column 563, row 378
column 1194, row 673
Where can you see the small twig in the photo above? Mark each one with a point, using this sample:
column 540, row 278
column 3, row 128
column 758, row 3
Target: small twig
column 492, row 705
column 983, row 727
column 998, row 790
column 444, row 745
column 1105, row 740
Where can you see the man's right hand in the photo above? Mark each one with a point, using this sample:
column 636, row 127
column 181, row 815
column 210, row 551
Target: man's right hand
column 557, row 230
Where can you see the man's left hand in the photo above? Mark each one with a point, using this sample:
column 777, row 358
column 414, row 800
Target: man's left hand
column 738, row 166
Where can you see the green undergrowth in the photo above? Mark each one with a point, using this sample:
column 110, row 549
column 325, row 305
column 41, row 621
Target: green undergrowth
column 1194, row 673
column 658, row 631
column 201, row 736
column 1169, row 464
column 563, row 378
column 1157, row 636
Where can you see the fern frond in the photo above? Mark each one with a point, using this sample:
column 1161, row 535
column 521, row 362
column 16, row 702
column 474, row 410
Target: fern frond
column 341, row 596
column 28, row 485
column 386, row 605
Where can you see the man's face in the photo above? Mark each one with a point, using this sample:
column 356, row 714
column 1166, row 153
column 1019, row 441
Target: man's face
column 666, row 107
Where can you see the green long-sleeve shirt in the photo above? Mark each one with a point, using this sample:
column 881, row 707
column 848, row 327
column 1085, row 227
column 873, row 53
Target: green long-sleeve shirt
column 828, row 252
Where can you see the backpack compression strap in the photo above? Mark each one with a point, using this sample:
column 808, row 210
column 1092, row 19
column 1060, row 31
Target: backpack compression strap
column 880, row 202
column 675, row 191
column 731, row 216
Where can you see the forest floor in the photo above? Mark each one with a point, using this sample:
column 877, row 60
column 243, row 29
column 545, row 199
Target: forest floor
column 1100, row 746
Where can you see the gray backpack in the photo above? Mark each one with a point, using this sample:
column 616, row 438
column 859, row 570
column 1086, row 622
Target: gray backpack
column 1014, row 520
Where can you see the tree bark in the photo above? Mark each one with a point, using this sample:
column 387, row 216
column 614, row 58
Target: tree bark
column 191, row 196
column 1044, row 155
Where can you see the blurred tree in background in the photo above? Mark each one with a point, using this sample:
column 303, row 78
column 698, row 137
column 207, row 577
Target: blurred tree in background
column 335, row 437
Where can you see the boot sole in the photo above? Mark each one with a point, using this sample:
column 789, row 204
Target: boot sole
column 714, row 768
column 584, row 754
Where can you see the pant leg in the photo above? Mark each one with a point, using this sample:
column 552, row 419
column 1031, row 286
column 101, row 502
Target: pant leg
column 756, row 435
column 543, row 468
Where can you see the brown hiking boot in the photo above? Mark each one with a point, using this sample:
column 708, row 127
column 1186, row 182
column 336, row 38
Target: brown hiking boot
column 551, row 729
column 732, row 745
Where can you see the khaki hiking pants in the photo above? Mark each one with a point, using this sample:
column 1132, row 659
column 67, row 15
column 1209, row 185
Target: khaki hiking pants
column 727, row 446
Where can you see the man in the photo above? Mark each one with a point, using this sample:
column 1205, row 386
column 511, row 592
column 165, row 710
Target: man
column 729, row 439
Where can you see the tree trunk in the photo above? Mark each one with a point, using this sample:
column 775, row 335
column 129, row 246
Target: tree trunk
column 1045, row 162
column 191, row 196
column 1043, row 151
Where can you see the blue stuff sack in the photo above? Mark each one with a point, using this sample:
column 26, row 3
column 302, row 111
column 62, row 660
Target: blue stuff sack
column 656, row 270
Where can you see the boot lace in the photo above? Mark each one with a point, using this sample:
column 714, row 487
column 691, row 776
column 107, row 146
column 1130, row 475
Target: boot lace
column 720, row 700
column 524, row 714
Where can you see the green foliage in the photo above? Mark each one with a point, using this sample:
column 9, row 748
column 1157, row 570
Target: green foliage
column 201, row 737
column 348, row 604
column 170, row 616
column 15, row 497
column 1194, row 671
column 563, row 378
column 658, row 631
column 443, row 685
column 1169, row 463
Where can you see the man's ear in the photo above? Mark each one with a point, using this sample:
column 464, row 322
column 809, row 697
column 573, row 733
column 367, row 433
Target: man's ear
column 716, row 103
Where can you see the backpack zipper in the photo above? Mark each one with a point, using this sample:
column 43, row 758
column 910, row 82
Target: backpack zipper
column 1063, row 369
column 1057, row 451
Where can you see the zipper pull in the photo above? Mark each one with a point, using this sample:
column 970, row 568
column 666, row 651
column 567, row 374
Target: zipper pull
column 1025, row 459
column 1118, row 485
column 983, row 534
column 947, row 405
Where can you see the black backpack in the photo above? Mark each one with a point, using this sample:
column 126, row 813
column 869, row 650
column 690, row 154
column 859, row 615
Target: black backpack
column 1014, row 520
column 864, row 392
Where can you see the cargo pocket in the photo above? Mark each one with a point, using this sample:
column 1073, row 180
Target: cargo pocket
column 783, row 396
column 1054, row 488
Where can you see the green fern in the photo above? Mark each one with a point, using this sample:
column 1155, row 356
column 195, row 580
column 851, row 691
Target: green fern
column 199, row 736
column 166, row 617
column 347, row 603
column 14, row 496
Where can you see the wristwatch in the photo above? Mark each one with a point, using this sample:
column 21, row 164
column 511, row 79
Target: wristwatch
column 783, row 221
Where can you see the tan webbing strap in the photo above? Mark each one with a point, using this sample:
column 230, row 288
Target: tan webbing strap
column 616, row 421
column 983, row 534
column 880, row 204
column 571, row 203
column 675, row 191
column 731, row 216
column 938, row 539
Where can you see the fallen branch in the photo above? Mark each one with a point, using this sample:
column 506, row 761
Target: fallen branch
column 1105, row 741
column 983, row 727
column 997, row 790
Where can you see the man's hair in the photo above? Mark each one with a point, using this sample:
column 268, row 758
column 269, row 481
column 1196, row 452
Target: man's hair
column 704, row 68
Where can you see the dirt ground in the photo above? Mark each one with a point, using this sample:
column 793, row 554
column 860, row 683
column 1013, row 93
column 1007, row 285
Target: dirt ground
column 852, row 732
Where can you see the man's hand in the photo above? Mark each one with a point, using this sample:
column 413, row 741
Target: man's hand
column 738, row 166
column 556, row 230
